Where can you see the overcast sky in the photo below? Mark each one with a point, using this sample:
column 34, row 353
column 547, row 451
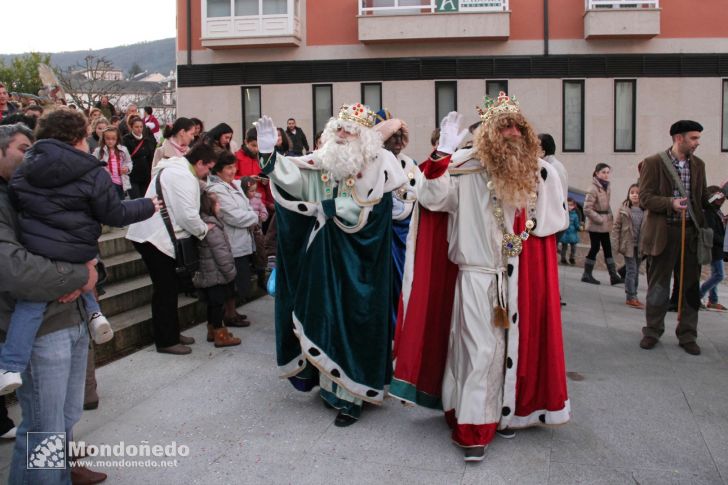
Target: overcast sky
column 70, row 25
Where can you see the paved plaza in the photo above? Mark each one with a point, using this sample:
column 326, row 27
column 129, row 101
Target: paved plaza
column 639, row 417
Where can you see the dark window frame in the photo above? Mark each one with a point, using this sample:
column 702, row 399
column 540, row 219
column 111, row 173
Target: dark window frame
column 564, row 82
column 313, row 102
column 381, row 95
column 488, row 81
column 242, row 102
column 633, row 146
column 437, row 98
column 724, row 87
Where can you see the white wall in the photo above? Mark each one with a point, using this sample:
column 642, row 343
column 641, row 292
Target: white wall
column 660, row 102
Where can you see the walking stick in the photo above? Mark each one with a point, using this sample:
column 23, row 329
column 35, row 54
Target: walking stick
column 682, row 266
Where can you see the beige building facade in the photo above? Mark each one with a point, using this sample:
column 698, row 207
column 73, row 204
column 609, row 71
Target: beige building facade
column 606, row 79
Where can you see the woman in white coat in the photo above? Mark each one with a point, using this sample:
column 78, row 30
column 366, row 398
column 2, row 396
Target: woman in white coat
column 180, row 182
column 238, row 219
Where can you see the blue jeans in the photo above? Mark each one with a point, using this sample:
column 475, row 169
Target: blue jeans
column 631, row 280
column 24, row 324
column 51, row 399
column 716, row 276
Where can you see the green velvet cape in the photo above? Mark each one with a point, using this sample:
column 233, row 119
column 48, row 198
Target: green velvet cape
column 333, row 299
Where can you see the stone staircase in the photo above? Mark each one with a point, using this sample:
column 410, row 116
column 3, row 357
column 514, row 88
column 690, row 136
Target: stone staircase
column 127, row 301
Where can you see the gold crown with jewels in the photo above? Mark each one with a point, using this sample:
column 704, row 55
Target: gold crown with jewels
column 358, row 113
column 494, row 107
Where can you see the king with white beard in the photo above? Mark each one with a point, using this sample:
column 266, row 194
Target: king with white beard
column 333, row 281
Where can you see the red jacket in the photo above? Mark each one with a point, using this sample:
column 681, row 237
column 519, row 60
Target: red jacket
column 248, row 167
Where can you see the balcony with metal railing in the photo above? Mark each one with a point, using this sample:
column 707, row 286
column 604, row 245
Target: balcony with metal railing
column 239, row 23
column 410, row 20
column 611, row 19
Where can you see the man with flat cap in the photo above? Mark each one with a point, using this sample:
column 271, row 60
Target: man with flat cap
column 673, row 182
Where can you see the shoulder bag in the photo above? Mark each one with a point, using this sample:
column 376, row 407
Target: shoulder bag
column 705, row 234
column 187, row 259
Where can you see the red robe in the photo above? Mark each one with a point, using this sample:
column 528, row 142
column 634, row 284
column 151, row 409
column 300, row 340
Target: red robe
column 421, row 339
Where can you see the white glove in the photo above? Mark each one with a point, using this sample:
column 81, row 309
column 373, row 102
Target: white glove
column 267, row 135
column 450, row 136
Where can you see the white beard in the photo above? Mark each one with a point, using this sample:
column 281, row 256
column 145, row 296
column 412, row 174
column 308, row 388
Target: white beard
column 342, row 160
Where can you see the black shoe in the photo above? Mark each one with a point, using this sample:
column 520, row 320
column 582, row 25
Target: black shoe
column 342, row 420
column 691, row 348
column 588, row 278
column 563, row 261
column 648, row 342
column 622, row 272
column 506, row 433
column 614, row 279
column 572, row 261
column 475, row 453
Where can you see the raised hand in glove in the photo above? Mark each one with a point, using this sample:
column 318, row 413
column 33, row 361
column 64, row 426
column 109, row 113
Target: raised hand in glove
column 450, row 134
column 267, row 135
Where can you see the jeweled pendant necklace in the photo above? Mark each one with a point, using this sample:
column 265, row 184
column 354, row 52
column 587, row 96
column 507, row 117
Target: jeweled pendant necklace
column 329, row 182
column 512, row 244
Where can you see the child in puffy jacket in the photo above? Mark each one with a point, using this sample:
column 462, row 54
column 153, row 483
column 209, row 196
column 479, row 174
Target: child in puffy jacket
column 626, row 238
column 570, row 237
column 62, row 195
column 215, row 277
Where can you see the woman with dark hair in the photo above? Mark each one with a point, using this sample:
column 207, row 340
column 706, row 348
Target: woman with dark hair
column 219, row 138
column 141, row 148
column 199, row 129
column 284, row 143
column 180, row 183
column 238, row 219
column 177, row 140
column 599, row 221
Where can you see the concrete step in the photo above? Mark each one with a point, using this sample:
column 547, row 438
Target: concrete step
column 124, row 266
column 113, row 243
column 126, row 295
column 133, row 328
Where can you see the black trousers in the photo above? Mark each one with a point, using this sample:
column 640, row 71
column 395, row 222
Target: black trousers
column 659, row 272
column 242, row 278
column 596, row 239
column 216, row 297
column 164, row 294
column 6, row 424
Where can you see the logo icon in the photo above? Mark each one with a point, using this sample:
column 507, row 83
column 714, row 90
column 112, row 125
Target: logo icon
column 46, row 450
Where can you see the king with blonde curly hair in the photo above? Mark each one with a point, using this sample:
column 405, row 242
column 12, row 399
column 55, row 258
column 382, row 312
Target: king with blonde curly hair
column 481, row 259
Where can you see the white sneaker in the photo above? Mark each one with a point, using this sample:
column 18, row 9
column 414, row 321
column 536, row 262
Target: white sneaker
column 9, row 381
column 10, row 435
column 100, row 328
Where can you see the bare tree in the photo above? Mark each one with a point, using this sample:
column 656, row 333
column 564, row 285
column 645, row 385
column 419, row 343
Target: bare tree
column 88, row 80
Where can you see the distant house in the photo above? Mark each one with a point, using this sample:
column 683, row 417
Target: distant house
column 105, row 74
column 161, row 96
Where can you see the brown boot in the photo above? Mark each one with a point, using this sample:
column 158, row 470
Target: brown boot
column 210, row 333
column 223, row 338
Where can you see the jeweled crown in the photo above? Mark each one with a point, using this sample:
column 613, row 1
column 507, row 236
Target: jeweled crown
column 358, row 113
column 494, row 107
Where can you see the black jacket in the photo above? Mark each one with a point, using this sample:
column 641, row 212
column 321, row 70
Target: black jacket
column 715, row 222
column 62, row 195
column 142, row 159
column 298, row 141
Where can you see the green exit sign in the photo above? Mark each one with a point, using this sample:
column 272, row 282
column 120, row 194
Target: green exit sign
column 470, row 5
column 447, row 6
